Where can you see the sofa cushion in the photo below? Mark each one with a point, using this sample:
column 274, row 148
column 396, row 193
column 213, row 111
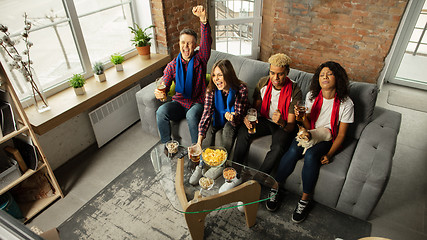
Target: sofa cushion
column 302, row 78
column 364, row 97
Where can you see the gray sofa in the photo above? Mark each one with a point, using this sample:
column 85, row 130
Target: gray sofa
column 357, row 176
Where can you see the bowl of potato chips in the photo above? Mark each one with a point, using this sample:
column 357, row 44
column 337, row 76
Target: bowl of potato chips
column 214, row 156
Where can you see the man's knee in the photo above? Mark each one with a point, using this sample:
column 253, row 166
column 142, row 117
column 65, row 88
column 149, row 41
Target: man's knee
column 194, row 114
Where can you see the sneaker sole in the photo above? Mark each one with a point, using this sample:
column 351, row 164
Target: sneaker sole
column 271, row 209
column 295, row 221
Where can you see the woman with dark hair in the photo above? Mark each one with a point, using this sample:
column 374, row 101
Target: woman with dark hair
column 327, row 106
column 226, row 103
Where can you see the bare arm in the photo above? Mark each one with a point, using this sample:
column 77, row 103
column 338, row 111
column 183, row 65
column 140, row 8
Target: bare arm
column 337, row 143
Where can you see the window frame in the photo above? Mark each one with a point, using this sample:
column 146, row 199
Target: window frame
column 256, row 20
column 140, row 13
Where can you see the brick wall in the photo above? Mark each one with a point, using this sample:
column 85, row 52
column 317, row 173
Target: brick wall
column 170, row 17
column 358, row 34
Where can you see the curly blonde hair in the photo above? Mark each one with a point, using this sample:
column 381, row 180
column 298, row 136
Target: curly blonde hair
column 280, row 60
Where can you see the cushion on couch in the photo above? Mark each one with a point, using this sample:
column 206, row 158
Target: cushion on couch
column 364, row 97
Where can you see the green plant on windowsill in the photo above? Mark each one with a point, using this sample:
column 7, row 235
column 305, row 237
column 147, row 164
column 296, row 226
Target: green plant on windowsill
column 117, row 59
column 98, row 68
column 77, row 81
column 141, row 37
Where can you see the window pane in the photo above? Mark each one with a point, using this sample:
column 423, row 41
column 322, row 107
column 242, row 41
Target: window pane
column 229, row 9
column 106, row 32
column 54, row 53
column 234, row 38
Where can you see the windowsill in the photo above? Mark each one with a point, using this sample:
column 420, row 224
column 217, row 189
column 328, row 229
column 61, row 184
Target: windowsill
column 66, row 104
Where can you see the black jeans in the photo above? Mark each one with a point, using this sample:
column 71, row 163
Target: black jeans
column 280, row 143
column 229, row 133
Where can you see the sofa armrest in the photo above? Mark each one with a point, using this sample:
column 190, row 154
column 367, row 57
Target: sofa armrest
column 371, row 165
column 147, row 107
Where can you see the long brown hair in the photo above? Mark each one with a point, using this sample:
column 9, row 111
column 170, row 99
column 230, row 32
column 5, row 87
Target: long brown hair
column 228, row 73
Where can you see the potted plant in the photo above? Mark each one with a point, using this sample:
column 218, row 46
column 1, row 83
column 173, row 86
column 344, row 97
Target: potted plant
column 117, row 60
column 141, row 40
column 98, row 69
column 77, row 81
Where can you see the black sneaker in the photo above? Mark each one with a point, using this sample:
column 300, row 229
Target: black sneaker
column 301, row 211
column 272, row 204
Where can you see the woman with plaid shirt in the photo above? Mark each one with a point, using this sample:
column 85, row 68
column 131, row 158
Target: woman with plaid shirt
column 226, row 103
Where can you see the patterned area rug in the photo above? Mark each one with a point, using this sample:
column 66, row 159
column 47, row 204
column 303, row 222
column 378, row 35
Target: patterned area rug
column 133, row 206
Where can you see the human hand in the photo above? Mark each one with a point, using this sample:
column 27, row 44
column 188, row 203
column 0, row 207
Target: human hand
column 296, row 112
column 200, row 12
column 159, row 94
column 277, row 117
column 324, row 159
column 247, row 122
column 229, row 116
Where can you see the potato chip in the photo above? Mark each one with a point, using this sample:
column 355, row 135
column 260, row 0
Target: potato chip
column 214, row 156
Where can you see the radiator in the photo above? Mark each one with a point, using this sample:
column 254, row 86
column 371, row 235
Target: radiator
column 113, row 117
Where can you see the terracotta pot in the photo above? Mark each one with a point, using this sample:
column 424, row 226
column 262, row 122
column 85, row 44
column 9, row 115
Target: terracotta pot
column 144, row 51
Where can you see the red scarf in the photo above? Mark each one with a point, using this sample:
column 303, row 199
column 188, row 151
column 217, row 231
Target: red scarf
column 284, row 99
column 315, row 111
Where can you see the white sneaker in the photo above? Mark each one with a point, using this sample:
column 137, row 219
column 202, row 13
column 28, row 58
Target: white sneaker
column 241, row 207
column 197, row 174
column 213, row 172
column 226, row 186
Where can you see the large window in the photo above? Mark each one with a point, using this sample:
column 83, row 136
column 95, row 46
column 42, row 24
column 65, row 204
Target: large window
column 69, row 36
column 237, row 26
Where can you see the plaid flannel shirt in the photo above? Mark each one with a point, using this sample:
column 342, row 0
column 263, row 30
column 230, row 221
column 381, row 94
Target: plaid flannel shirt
column 201, row 58
column 241, row 105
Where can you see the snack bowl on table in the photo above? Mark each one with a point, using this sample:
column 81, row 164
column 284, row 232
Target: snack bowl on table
column 229, row 174
column 206, row 183
column 214, row 156
column 172, row 146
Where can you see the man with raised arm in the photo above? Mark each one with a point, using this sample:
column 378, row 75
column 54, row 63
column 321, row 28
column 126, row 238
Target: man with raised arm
column 188, row 71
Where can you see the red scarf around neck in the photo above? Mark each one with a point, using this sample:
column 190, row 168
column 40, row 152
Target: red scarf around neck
column 315, row 111
column 284, row 99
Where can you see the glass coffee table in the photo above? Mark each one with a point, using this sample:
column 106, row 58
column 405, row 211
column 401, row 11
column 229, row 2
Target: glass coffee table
column 175, row 171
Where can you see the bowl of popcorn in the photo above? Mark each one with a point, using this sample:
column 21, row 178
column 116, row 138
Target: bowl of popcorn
column 229, row 174
column 214, row 156
column 172, row 146
column 206, row 183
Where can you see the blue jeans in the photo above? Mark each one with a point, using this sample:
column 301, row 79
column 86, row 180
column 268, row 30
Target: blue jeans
column 311, row 167
column 174, row 111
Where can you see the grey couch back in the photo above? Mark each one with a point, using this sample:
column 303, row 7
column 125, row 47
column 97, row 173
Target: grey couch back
column 364, row 95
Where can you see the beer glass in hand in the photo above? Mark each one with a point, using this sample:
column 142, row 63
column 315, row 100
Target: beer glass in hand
column 301, row 110
column 252, row 118
column 161, row 86
column 194, row 152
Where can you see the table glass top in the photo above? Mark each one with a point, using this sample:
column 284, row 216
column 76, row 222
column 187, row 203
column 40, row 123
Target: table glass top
column 166, row 167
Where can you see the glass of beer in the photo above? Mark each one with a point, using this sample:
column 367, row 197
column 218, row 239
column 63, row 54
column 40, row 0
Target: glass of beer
column 301, row 110
column 161, row 86
column 252, row 118
column 194, row 152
